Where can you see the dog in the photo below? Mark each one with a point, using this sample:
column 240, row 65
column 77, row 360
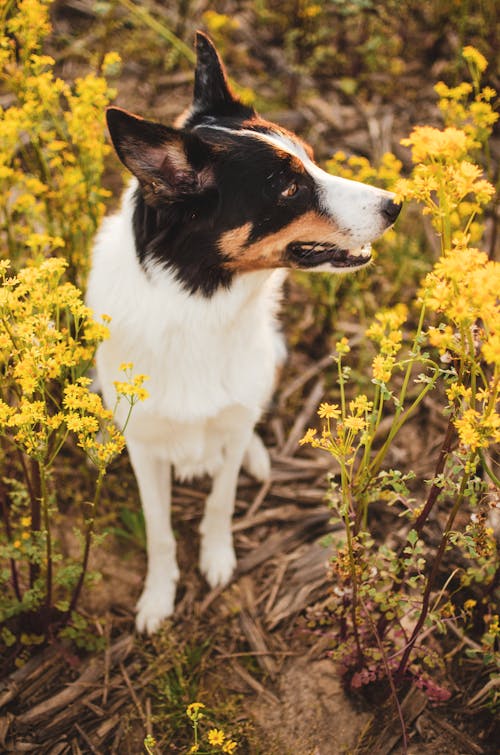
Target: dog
column 190, row 270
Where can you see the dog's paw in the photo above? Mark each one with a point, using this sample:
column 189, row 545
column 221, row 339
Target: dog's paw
column 155, row 604
column 257, row 461
column 217, row 561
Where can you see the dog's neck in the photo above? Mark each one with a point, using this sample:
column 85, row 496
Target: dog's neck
column 165, row 283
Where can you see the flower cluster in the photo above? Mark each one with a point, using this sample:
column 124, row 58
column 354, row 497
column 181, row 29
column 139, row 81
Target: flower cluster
column 53, row 146
column 47, row 342
column 386, row 332
column 445, row 179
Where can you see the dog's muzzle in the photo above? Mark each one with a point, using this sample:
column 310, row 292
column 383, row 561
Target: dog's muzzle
column 310, row 254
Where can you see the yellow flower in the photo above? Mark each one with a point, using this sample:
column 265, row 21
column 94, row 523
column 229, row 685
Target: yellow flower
column 360, row 404
column 491, row 348
column 193, row 711
column 309, row 437
column 342, row 346
column 431, row 144
column 230, row 746
column 329, row 411
column 355, row 423
column 382, row 368
column 473, row 56
column 111, row 65
column 216, row 737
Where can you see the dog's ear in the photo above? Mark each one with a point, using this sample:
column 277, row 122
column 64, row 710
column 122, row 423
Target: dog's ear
column 168, row 163
column 212, row 93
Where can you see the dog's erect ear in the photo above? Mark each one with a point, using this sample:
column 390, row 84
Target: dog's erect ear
column 168, row 163
column 212, row 93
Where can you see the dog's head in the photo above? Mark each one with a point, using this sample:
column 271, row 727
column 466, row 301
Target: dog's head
column 227, row 192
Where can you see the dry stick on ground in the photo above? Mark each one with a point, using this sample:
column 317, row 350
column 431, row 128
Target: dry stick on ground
column 302, row 418
column 87, row 740
column 303, row 378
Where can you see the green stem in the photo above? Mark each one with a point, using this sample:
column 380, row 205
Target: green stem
column 48, row 540
column 431, row 580
column 88, row 541
column 488, row 469
column 352, row 562
column 396, row 426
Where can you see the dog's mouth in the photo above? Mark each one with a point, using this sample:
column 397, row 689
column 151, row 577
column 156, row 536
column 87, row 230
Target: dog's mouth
column 309, row 255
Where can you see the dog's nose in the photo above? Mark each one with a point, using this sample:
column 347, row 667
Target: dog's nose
column 391, row 210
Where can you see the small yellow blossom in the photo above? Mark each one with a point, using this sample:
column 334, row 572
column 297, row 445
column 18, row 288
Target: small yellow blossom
column 216, row 737
column 355, row 423
column 473, row 56
column 382, row 367
column 470, row 604
column 309, row 437
column 111, row 65
column 329, row 411
column 229, row 746
column 342, row 346
column 193, row 711
column 360, row 404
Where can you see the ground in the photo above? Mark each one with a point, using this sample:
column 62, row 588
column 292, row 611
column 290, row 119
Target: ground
column 248, row 650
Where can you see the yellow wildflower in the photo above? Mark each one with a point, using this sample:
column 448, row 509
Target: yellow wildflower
column 473, row 56
column 382, row 368
column 355, row 423
column 329, row 411
column 216, row 737
column 309, row 437
column 193, row 711
column 229, row 746
column 111, row 65
column 491, row 348
column 342, row 346
column 360, row 404
column 431, row 144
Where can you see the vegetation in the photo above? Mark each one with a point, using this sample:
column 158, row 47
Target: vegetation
column 397, row 604
column 390, row 600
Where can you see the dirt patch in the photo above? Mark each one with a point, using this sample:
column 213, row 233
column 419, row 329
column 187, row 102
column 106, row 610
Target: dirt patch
column 312, row 715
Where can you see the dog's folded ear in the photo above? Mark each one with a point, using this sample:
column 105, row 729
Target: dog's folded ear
column 212, row 93
column 169, row 163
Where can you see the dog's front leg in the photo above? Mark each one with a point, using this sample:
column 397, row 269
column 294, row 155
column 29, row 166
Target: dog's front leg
column 217, row 556
column 154, row 480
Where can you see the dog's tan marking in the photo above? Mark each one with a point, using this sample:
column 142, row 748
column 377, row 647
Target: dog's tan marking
column 232, row 242
column 268, row 252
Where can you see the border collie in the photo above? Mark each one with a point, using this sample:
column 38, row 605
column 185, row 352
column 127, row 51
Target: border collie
column 190, row 271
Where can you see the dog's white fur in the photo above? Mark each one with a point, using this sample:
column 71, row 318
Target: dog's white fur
column 211, row 365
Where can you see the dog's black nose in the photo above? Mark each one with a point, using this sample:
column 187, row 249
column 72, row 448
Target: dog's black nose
column 391, row 210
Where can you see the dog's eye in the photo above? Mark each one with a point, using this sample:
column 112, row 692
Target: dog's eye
column 290, row 190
